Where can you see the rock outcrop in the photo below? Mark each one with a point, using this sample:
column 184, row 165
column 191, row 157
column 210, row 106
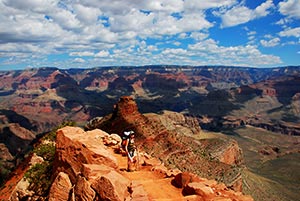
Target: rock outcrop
column 169, row 137
column 72, row 152
column 87, row 169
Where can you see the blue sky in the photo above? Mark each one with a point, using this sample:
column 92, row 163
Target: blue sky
column 90, row 33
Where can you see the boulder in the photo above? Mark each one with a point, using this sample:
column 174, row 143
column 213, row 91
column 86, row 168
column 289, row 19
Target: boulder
column 21, row 191
column 112, row 140
column 83, row 190
column 93, row 171
column 112, row 186
column 60, row 188
column 75, row 147
column 197, row 188
column 181, row 180
column 36, row 159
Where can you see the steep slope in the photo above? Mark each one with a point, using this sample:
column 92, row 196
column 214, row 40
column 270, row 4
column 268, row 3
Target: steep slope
column 176, row 147
column 87, row 167
column 15, row 138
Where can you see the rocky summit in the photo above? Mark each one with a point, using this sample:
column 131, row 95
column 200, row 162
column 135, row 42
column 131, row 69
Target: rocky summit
column 88, row 167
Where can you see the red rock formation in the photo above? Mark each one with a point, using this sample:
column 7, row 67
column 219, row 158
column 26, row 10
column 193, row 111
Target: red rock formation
column 60, row 188
column 169, row 138
column 105, row 181
column 72, row 152
column 83, row 190
column 86, row 169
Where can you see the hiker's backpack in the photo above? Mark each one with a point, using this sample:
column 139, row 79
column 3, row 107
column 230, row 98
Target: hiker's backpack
column 125, row 137
column 124, row 140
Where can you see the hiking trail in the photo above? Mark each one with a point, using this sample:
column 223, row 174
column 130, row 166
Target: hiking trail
column 158, row 187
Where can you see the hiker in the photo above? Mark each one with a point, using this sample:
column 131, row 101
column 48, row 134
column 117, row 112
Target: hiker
column 125, row 137
column 131, row 152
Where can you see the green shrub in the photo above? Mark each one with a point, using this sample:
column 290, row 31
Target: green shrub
column 4, row 172
column 47, row 151
column 39, row 177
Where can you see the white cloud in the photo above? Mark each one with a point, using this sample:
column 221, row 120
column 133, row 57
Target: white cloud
column 196, row 4
column 126, row 31
column 102, row 53
column 290, row 8
column 151, row 48
column 87, row 15
column 79, row 60
column 82, row 54
column 238, row 55
column 66, row 19
column 270, row 43
column 169, row 25
column 177, row 51
column 165, row 5
column 251, row 33
column 284, row 22
column 39, row 6
column 241, row 14
column 290, row 32
column 263, row 9
column 132, row 21
column 236, row 16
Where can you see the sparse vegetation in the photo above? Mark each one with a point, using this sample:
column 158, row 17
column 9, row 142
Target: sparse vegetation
column 39, row 175
column 46, row 151
column 4, row 172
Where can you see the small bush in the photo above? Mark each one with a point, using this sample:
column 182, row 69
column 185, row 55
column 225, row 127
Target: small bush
column 4, row 172
column 47, row 151
column 39, row 177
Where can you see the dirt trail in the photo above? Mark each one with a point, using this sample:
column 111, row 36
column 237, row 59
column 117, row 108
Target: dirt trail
column 156, row 185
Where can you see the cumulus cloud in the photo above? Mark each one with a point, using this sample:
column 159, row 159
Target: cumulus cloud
column 290, row 8
column 87, row 15
column 290, row 32
column 129, row 31
column 270, row 43
column 78, row 60
column 240, row 55
column 82, row 54
column 102, row 53
column 241, row 14
column 195, row 5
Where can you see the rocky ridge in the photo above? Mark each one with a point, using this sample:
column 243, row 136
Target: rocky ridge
column 175, row 143
column 87, row 167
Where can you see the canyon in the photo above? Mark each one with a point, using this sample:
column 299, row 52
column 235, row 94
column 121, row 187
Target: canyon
column 87, row 166
column 226, row 108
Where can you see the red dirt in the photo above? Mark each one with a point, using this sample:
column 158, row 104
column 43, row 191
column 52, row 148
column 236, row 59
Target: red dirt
column 13, row 180
column 156, row 185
